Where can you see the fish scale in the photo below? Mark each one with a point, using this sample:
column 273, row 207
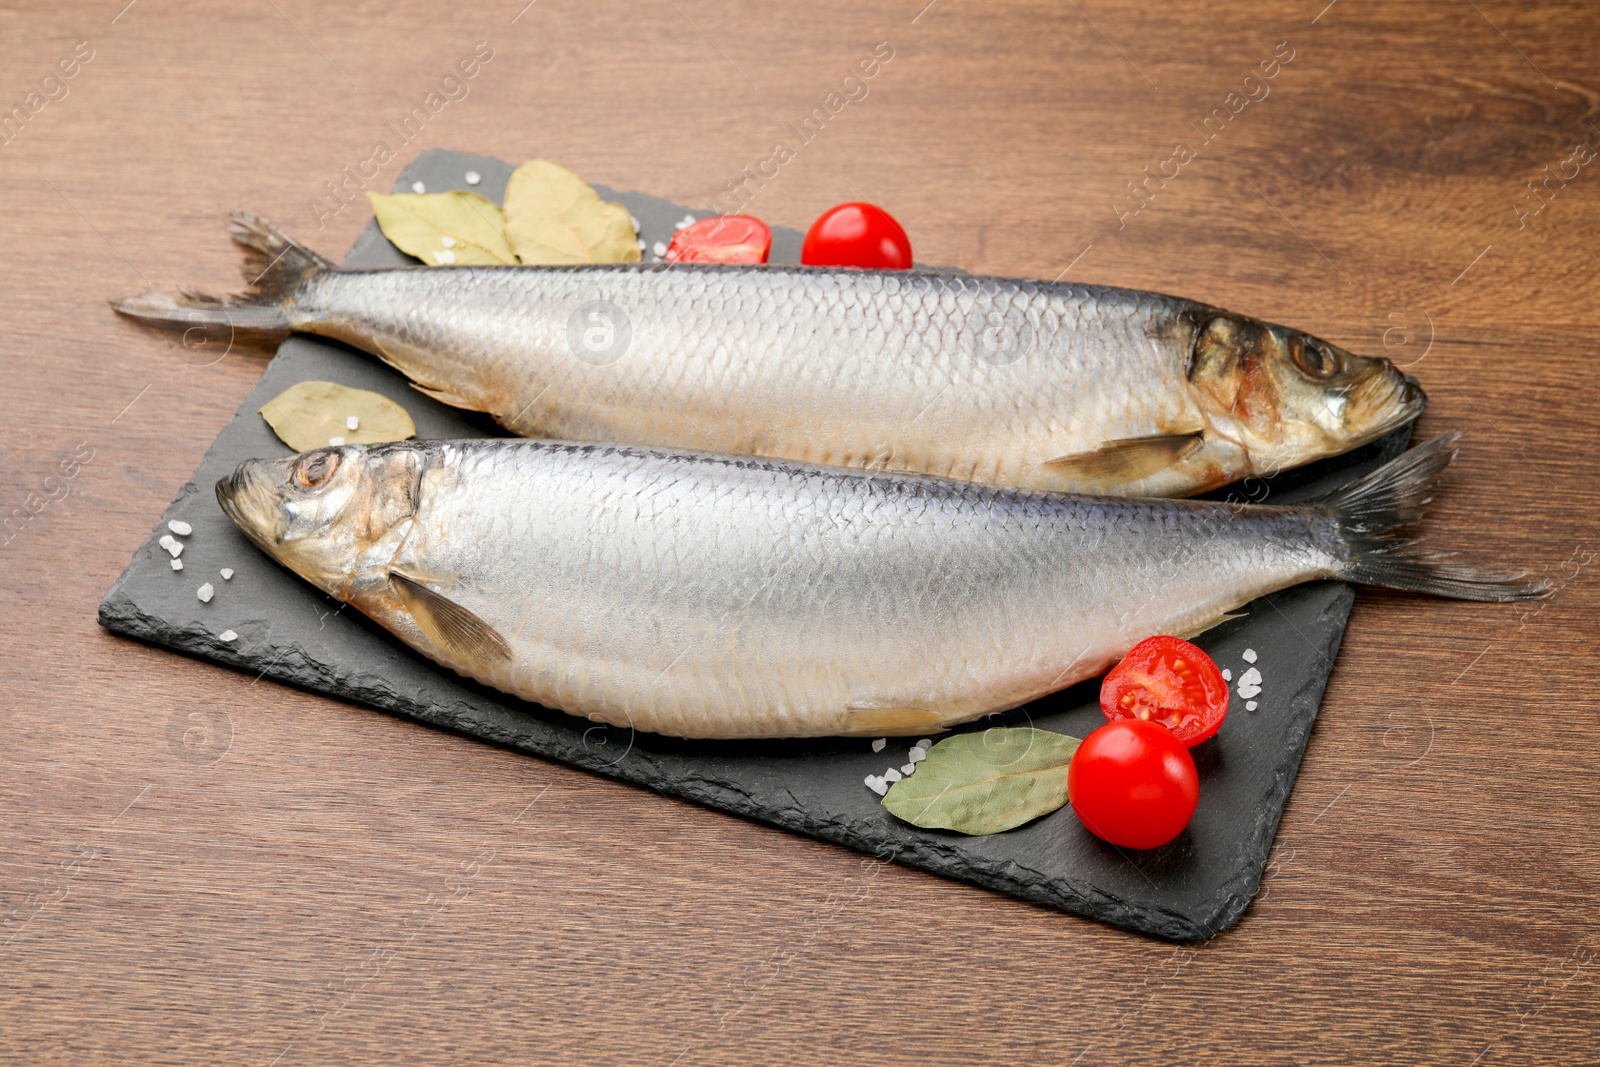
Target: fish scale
column 1021, row 586
column 735, row 360
column 704, row 595
column 1017, row 383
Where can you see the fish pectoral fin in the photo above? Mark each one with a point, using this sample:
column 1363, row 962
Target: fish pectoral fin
column 443, row 397
column 1128, row 458
column 396, row 358
column 1200, row 628
column 870, row 718
column 448, row 624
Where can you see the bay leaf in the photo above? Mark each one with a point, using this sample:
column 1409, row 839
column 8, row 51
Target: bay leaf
column 553, row 217
column 457, row 228
column 311, row 414
column 987, row 781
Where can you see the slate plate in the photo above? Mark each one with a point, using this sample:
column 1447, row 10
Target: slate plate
column 287, row 631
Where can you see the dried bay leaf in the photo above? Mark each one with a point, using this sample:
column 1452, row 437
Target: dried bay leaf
column 553, row 217
column 986, row 782
column 457, row 228
column 311, row 414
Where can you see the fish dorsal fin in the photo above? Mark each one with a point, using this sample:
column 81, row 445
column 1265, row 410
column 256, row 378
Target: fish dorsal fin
column 450, row 625
column 1128, row 459
column 876, row 719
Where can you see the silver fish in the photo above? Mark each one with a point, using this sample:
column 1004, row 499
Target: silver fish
column 710, row 596
column 1021, row 384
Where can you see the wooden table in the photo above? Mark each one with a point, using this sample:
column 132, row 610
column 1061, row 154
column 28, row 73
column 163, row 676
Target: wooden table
column 198, row 868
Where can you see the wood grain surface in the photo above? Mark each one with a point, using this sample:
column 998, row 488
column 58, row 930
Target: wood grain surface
column 199, row 868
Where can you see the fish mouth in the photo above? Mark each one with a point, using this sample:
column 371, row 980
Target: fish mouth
column 1397, row 394
column 243, row 499
column 1412, row 398
column 1409, row 400
column 227, row 490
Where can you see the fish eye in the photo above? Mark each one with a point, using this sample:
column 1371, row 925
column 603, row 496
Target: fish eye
column 315, row 468
column 1313, row 358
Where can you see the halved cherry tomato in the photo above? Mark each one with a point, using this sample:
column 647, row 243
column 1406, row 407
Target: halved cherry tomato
column 1133, row 784
column 856, row 235
column 722, row 239
column 1168, row 681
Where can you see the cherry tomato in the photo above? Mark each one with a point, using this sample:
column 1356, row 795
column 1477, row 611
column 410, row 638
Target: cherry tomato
column 1168, row 681
column 722, row 239
column 856, row 235
column 1133, row 784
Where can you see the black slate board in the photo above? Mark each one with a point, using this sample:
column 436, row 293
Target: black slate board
column 287, row 631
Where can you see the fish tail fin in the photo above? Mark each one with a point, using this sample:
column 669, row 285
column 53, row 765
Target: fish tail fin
column 275, row 266
column 1375, row 514
column 274, row 262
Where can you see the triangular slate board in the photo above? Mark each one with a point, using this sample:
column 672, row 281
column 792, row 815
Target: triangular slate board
column 287, row 631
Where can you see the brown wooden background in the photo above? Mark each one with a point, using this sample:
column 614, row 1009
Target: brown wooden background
column 299, row 881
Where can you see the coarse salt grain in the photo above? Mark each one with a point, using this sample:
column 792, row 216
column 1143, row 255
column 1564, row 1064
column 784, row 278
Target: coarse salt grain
column 642, row 245
column 352, row 423
column 448, row 241
column 635, row 221
column 335, row 442
column 444, row 257
column 181, row 528
column 204, row 593
column 1227, row 675
column 924, row 744
column 876, row 784
column 418, row 188
column 1250, row 705
column 891, row 775
column 177, row 564
column 918, row 754
column 1249, row 655
column 1250, row 683
column 227, row 572
column 174, row 549
column 688, row 220
column 659, row 248
column 227, row 635
column 877, row 746
column 473, row 177
column 909, row 769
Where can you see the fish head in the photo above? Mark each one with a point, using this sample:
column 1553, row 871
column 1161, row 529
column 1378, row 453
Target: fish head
column 1288, row 398
column 334, row 516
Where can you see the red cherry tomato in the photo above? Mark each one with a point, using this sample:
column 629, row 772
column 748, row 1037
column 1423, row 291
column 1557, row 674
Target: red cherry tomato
column 1168, row 681
column 722, row 239
column 856, row 235
column 1133, row 784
